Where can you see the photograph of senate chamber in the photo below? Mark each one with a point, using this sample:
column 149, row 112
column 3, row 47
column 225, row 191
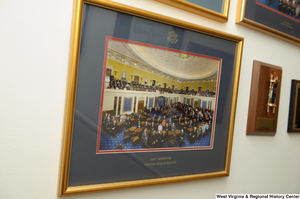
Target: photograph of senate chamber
column 156, row 98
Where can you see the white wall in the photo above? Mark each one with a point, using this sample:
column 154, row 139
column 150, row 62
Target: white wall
column 34, row 47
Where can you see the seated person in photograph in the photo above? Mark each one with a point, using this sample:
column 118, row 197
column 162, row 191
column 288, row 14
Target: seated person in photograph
column 146, row 125
column 127, row 122
column 158, row 121
column 284, row 7
column 108, row 119
column 280, row 4
column 186, row 119
column 189, row 133
column 164, row 119
column 144, row 116
column 288, row 8
column 158, row 139
column 163, row 138
column 133, row 115
column 139, row 119
column 293, row 10
column 186, row 113
column 173, row 128
column 159, row 117
column 115, row 85
column 193, row 135
column 180, row 119
column 108, row 123
column 145, row 138
column 147, row 111
column 199, row 132
column 153, row 119
column 195, row 123
column 209, row 114
column 198, row 121
column 113, row 129
column 122, row 119
column 207, row 127
column 139, row 125
column 200, row 115
column 127, row 86
column 152, row 127
column 194, row 114
column 181, row 138
column 203, row 130
column 160, row 128
column 185, row 126
column 164, row 127
column 167, row 127
column 153, row 140
column 104, row 118
column 191, row 124
column 297, row 12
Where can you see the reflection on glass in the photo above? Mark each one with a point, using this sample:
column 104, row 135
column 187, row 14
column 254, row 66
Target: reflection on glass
column 214, row 5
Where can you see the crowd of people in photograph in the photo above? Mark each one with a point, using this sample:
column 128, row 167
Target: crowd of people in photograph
column 126, row 85
column 160, row 125
column 288, row 7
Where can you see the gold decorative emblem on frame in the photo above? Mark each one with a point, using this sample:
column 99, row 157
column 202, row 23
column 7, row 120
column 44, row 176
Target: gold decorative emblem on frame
column 184, row 56
column 172, row 38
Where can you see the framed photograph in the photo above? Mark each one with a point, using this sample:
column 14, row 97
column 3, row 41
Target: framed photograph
column 278, row 18
column 294, row 112
column 150, row 100
column 214, row 9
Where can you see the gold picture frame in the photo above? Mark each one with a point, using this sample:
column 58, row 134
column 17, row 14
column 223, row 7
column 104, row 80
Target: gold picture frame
column 271, row 18
column 82, row 170
column 218, row 11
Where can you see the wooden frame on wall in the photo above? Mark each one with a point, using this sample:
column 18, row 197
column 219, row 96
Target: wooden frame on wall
column 82, row 169
column 264, row 99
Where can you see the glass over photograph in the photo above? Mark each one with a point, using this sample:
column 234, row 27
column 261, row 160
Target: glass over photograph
column 151, row 100
column 156, row 98
column 214, row 5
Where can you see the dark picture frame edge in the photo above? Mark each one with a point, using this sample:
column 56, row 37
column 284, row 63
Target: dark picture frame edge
column 294, row 106
column 63, row 187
